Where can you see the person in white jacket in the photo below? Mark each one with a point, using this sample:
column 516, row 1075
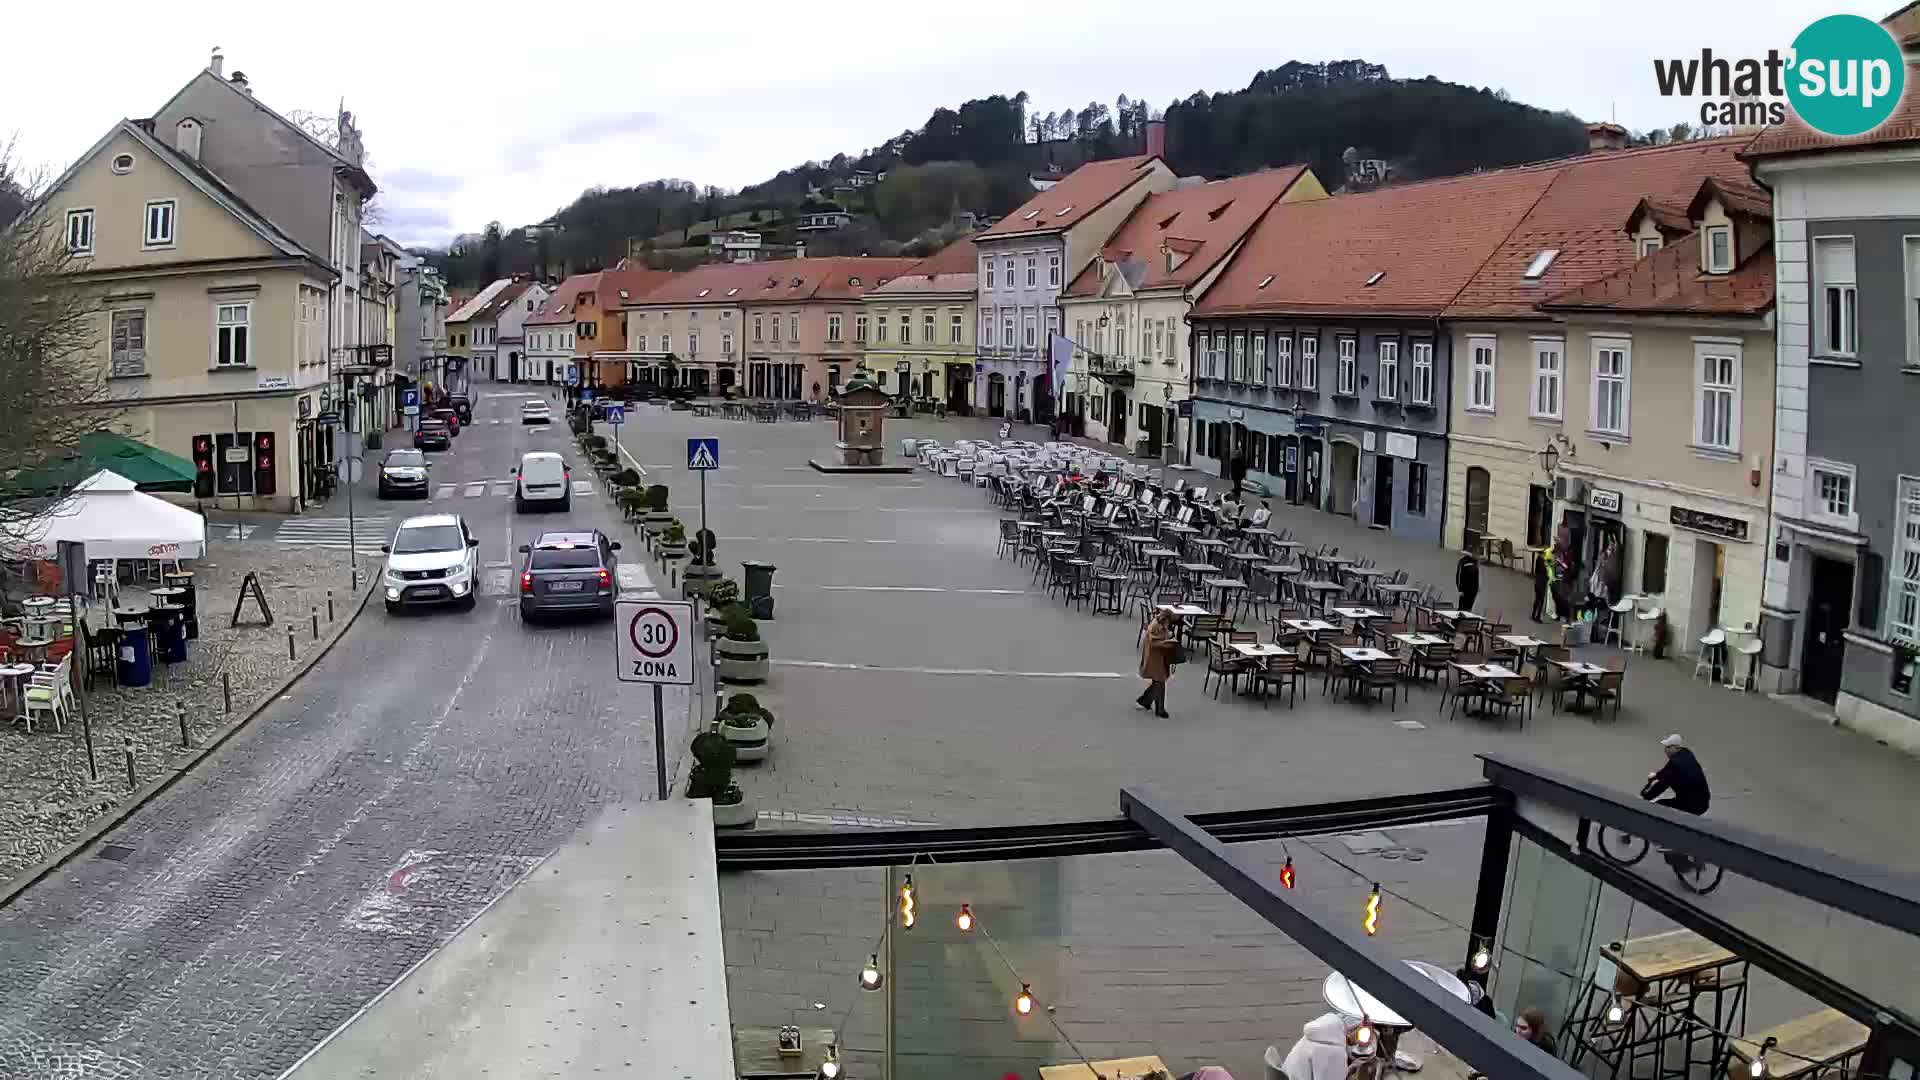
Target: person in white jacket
column 1321, row 1053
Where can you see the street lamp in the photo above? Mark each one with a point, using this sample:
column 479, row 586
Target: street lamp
column 1549, row 458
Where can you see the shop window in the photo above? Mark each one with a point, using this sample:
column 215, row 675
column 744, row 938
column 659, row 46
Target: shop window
column 1479, row 491
column 235, row 476
column 1416, row 487
column 1653, row 565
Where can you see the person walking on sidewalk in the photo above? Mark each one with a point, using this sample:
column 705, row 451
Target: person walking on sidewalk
column 1539, row 585
column 1237, row 472
column 1466, row 577
column 1156, row 663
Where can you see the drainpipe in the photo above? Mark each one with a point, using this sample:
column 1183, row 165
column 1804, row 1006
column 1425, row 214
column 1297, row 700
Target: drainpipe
column 1446, row 442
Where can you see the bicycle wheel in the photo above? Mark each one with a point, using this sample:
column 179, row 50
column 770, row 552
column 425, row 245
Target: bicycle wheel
column 1622, row 848
column 1699, row 878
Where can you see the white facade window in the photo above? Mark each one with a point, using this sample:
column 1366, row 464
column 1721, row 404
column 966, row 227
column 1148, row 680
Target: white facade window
column 1903, row 606
column 726, row 344
column 880, row 327
column 80, row 232
column 1210, row 346
column 159, row 229
column 986, row 330
column 1549, row 364
column 1612, row 385
column 1480, row 366
column 860, row 328
column 833, row 327
column 1310, row 362
column 759, row 334
column 1053, row 270
column 1389, row 382
column 1006, row 324
column 793, row 327
column 1006, row 268
column 1423, row 373
column 1283, row 360
column 1830, row 494
column 1345, row 373
column 1719, row 249
column 1717, row 396
column 773, row 328
column 955, row 328
column 1647, row 245
column 231, row 326
column 926, row 326
column 1033, row 271
column 1032, row 339
column 130, row 343
column 1237, row 364
column 1053, row 323
column 1260, row 359
column 906, row 327
column 986, row 273
column 666, row 343
column 1835, row 284
column 693, row 344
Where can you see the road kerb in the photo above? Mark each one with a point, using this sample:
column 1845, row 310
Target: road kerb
column 151, row 790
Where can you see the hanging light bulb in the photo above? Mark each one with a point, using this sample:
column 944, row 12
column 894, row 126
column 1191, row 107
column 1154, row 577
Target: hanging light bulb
column 964, row 920
column 1482, row 959
column 830, row 1067
column 1363, row 1037
column 1023, row 1002
column 1758, row 1069
column 1616, row 1011
column 1286, row 874
column 1372, row 923
column 907, row 906
column 870, row 977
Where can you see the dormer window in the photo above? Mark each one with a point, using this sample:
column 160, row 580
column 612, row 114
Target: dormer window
column 122, row 164
column 1718, row 249
column 1537, row 269
column 855, row 281
column 1647, row 246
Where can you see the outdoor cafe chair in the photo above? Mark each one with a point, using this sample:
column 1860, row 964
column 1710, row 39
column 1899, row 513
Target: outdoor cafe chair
column 1547, row 673
column 1434, row 660
column 49, row 691
column 1223, row 665
column 1602, row 688
column 1202, row 629
column 1508, row 696
column 1009, row 537
column 1276, row 673
column 1381, row 677
column 101, row 648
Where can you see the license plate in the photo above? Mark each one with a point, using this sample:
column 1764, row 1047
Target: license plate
column 431, row 590
column 566, row 586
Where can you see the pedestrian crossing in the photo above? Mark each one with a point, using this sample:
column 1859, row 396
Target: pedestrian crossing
column 364, row 534
column 474, row 489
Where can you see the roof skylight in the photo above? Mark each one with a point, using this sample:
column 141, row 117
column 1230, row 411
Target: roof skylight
column 1264, row 282
column 1064, row 211
column 1375, row 279
column 1538, row 267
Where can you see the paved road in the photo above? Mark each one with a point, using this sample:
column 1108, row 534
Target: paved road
column 421, row 767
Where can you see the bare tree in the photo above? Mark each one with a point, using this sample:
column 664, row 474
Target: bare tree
column 53, row 391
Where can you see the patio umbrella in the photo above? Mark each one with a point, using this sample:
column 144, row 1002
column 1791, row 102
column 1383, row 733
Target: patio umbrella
column 149, row 468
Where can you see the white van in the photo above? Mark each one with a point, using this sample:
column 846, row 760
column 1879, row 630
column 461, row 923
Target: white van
column 542, row 479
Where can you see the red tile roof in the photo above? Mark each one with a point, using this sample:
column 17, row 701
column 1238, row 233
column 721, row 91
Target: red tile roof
column 1078, row 194
column 502, row 300
column 780, row 280
column 1425, row 240
column 953, row 268
column 624, row 285
column 1580, row 214
column 1669, row 282
column 958, row 257
column 1795, row 137
column 1203, row 222
column 559, row 307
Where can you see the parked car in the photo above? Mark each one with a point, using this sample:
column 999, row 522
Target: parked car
column 597, row 409
column 432, row 435
column 568, row 572
column 404, row 472
column 462, row 406
column 433, row 559
column 448, row 417
column 542, row 478
column 535, row 412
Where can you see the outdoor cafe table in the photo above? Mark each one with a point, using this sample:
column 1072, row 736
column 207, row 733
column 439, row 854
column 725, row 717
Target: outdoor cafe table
column 1198, row 570
column 1182, row 611
column 1225, row 587
column 1326, row 588
column 1488, row 672
column 1455, row 615
column 1309, row 627
column 1259, row 650
column 1419, row 641
column 13, row 692
column 1521, row 644
column 1362, row 654
column 1357, row 614
column 1581, row 675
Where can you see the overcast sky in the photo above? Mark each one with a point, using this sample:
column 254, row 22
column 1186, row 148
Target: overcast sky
column 477, row 113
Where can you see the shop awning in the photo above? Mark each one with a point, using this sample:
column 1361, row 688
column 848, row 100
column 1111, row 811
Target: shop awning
column 150, row 468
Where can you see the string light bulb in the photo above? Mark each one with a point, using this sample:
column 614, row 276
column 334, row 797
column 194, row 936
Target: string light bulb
column 964, row 920
column 830, row 1066
column 1372, row 923
column 907, row 905
column 1482, row 959
column 870, row 977
column 1758, row 1068
column 1023, row 1002
column 1363, row 1037
column 1286, row 874
column 1616, row 1012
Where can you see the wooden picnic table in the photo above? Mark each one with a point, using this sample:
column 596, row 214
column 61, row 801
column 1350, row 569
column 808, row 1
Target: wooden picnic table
column 1673, row 954
column 1827, row 1037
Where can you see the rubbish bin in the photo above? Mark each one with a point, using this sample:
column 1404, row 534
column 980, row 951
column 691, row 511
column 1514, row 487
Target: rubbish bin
column 170, row 630
column 759, row 587
column 135, row 662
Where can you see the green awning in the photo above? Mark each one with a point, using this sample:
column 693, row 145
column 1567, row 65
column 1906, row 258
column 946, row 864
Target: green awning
column 150, row 468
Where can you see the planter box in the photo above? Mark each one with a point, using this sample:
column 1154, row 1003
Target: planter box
column 697, row 577
column 740, row 815
column 749, row 743
column 673, row 551
column 741, row 661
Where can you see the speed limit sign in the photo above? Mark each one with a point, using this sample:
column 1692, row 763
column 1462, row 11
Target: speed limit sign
column 655, row 641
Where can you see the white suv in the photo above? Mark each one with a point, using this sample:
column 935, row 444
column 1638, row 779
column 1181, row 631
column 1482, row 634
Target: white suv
column 433, row 559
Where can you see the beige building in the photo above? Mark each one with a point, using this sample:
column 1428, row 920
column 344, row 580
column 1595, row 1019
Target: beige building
column 213, row 324
column 916, row 331
column 1126, row 312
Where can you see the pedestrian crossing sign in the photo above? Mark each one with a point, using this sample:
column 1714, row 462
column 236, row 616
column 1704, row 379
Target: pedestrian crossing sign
column 703, row 454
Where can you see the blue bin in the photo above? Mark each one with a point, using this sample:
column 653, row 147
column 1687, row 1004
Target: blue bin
column 136, row 656
column 171, row 629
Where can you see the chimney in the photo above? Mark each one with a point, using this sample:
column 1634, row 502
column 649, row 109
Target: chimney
column 239, row 81
column 1157, row 138
column 217, row 65
column 186, row 138
column 1605, row 136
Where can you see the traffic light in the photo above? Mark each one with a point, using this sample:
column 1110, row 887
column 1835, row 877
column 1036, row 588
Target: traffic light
column 263, row 465
column 203, row 466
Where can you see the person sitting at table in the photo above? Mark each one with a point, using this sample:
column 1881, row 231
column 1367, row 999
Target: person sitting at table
column 1531, row 1025
column 1262, row 514
column 1321, row 1053
column 1482, row 1001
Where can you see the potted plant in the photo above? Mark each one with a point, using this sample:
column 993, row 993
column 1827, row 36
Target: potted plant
column 626, row 478
column 657, row 515
column 720, row 595
column 748, row 725
column 593, row 443
column 633, row 503
column 741, row 655
column 702, row 572
column 712, row 778
column 673, row 540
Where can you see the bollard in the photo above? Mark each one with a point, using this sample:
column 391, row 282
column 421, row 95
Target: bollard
column 290, row 641
column 226, row 689
column 329, row 605
column 673, row 577
column 185, row 741
column 131, row 782
column 316, row 622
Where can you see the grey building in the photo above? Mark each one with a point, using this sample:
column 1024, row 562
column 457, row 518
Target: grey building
column 1319, row 358
column 1842, row 599
column 420, row 344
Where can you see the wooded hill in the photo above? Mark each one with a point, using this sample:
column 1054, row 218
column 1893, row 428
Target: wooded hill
column 979, row 158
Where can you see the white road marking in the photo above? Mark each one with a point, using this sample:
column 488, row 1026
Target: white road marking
column 364, row 535
column 445, row 491
column 234, row 530
column 476, row 489
column 583, row 487
column 503, row 487
column 831, row 666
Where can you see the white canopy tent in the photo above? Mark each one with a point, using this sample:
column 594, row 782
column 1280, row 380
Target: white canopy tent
column 113, row 520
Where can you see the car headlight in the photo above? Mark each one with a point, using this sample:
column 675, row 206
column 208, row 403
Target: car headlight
column 393, row 594
column 458, row 588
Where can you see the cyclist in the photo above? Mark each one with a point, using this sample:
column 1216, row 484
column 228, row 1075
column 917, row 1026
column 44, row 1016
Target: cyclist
column 1682, row 775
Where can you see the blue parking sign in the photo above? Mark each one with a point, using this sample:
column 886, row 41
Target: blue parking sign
column 703, row 454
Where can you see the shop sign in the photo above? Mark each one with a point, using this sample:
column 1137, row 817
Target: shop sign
column 1720, row 525
column 306, row 406
column 273, row 382
column 1367, row 441
column 1604, row 499
column 1236, row 414
column 1402, row 445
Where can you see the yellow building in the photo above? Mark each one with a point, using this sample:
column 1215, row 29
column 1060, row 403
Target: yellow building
column 213, row 323
column 916, row 331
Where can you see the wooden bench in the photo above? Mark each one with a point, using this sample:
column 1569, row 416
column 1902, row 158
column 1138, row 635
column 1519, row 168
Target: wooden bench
column 1826, row 1037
